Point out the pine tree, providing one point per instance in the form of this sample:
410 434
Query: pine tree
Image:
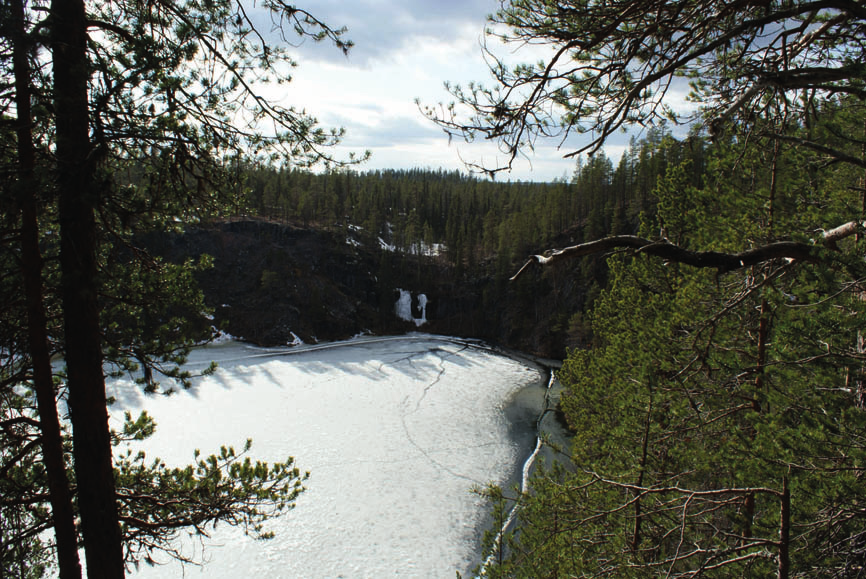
137 90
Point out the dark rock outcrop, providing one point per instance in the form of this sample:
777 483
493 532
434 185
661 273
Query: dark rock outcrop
273 282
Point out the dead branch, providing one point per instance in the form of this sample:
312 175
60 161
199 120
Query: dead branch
723 262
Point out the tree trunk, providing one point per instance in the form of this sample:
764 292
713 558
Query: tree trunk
37 332
784 569
78 198
638 515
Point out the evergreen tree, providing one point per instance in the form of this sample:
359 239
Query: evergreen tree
716 410
150 89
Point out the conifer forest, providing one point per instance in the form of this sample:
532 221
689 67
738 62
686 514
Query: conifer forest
705 289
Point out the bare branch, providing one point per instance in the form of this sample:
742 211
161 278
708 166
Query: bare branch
612 65
723 262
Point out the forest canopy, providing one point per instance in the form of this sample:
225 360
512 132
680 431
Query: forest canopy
716 385
718 410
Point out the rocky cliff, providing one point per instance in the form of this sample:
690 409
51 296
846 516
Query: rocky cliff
273 284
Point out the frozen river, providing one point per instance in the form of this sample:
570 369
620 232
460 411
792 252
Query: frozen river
394 431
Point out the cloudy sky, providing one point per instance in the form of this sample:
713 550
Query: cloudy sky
405 50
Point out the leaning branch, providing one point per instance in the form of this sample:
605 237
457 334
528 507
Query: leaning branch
834 154
723 262
831 236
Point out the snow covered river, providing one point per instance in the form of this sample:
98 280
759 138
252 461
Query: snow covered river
394 431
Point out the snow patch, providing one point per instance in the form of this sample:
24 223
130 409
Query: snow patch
387 246
403 308
432 250
222 337
422 304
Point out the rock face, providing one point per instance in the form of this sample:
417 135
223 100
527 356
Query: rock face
273 283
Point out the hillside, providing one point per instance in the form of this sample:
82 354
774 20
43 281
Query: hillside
274 283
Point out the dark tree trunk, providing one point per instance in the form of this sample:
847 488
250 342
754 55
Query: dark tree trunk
785 532
37 332
78 198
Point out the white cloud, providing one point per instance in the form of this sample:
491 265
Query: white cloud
406 51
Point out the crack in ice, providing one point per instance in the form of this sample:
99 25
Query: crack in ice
439 374
443 355
409 358
432 460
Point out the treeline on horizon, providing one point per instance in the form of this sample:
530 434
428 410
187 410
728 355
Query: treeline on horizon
480 222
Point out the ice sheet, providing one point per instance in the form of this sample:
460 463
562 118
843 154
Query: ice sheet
395 432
